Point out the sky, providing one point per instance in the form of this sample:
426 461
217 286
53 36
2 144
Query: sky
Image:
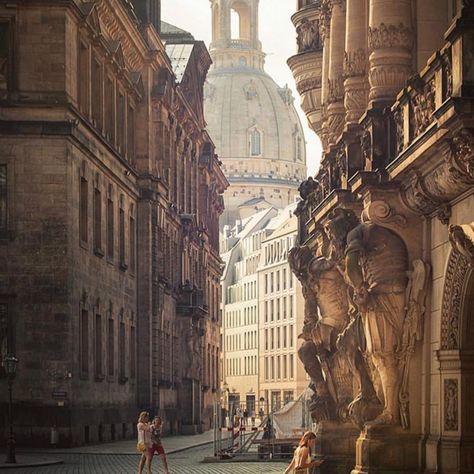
278 38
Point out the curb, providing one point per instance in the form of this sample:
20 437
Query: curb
45 462
88 453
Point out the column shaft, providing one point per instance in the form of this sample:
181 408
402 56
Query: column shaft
335 100
356 84
390 46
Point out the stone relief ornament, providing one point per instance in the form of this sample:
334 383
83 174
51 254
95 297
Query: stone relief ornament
250 90
325 20
355 63
399 130
308 37
335 89
462 240
456 274
451 395
462 148
380 212
327 315
423 108
391 302
390 36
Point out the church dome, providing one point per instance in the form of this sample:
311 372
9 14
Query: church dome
252 121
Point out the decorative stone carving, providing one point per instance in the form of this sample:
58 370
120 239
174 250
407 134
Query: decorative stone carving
462 148
325 20
336 89
331 370
387 79
335 126
380 212
308 36
355 63
390 36
462 240
390 303
456 274
250 90
451 394
423 107
399 130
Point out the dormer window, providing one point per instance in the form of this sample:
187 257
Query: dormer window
255 142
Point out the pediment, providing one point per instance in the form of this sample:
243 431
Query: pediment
91 16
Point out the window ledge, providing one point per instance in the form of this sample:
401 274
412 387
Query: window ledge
99 252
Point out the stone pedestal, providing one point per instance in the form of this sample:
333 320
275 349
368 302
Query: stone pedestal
336 442
386 450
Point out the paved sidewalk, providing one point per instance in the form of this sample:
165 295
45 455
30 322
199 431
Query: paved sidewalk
172 444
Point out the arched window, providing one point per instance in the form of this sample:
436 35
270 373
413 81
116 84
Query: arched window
255 142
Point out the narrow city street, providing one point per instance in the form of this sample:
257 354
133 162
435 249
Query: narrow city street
185 462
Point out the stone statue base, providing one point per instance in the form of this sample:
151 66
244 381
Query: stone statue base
386 450
336 443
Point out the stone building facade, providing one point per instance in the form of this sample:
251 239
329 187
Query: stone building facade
386 230
110 195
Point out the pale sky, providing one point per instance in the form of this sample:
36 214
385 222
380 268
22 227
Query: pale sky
278 38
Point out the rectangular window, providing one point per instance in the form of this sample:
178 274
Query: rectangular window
285 367
278 280
122 354
121 123
122 239
272 338
131 134
278 367
98 346
284 329
291 335
266 339
132 352
278 337
5 335
6 58
109 110
266 368
96 83
278 308
97 220
111 349
284 278
283 303
291 280
291 367
271 282
84 342
272 368
110 229
133 244
3 200
291 306
83 210
83 76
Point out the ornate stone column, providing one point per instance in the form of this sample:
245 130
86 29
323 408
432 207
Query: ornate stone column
391 38
325 24
335 98
356 84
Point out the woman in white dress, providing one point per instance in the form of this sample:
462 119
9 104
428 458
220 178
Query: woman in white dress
301 462
144 442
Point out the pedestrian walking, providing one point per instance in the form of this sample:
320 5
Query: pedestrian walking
156 446
246 417
144 442
301 462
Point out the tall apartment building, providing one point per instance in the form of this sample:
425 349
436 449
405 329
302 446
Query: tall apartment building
262 312
110 195
281 309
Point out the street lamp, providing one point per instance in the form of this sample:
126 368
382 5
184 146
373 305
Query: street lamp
9 364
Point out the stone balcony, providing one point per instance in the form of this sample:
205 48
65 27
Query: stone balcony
191 302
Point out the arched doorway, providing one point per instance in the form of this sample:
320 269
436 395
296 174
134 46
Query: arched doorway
456 358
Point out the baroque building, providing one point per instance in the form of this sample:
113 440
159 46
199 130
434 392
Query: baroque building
251 119
386 237
110 195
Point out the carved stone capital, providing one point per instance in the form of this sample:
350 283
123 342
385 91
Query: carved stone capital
335 89
390 36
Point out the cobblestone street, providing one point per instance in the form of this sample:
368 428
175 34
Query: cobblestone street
185 462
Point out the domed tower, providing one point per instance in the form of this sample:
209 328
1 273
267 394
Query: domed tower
252 120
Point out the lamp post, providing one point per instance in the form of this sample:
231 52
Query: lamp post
9 363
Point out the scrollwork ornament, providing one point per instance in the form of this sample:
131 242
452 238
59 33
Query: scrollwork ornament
381 213
462 151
